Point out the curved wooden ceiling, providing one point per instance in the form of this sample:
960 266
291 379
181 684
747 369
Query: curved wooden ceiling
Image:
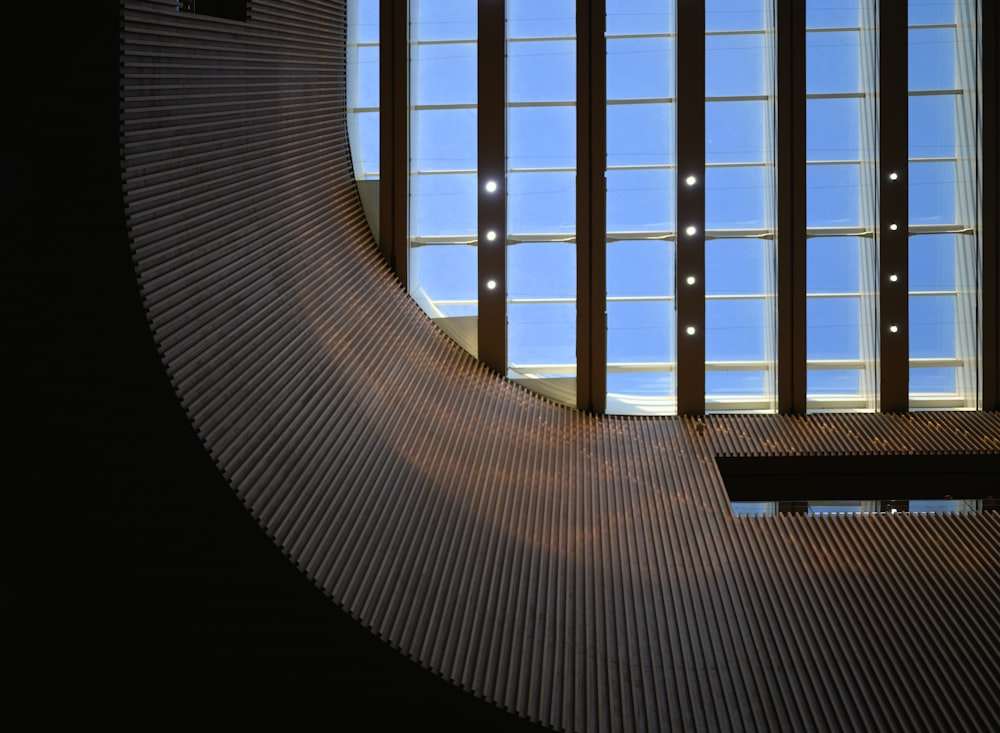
582 571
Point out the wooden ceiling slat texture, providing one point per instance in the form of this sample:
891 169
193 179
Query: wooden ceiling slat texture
585 572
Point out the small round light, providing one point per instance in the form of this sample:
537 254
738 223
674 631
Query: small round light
893 328
691 231
491 235
893 278
491 284
893 227
491 186
690 180
691 280
893 176
690 330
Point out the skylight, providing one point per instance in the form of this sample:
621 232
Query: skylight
534 249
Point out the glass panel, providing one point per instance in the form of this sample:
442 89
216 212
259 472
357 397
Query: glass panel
735 64
640 272
444 153
737 132
640 134
541 197
943 175
363 90
635 69
740 193
754 508
443 74
736 198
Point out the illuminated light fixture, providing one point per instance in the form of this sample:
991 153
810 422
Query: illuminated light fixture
893 277
893 176
690 180
491 235
893 328
691 280
491 284
691 231
491 186
893 227
690 330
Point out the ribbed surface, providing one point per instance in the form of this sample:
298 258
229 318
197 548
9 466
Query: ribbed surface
584 572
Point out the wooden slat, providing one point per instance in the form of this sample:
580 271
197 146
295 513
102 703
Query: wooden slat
582 571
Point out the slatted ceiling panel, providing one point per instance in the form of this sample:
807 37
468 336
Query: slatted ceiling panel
582 571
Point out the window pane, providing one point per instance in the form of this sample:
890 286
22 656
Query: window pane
443 74
735 198
638 68
640 134
833 196
541 203
541 137
833 129
736 132
931 58
444 139
734 64
541 71
932 193
640 200
832 62
932 126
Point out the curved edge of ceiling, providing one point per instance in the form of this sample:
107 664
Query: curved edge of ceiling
581 571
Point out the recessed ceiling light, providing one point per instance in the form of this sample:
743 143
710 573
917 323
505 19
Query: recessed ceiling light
491 284
690 180
491 186
491 235
690 280
690 330
691 231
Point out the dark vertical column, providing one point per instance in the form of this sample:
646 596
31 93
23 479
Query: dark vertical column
791 244
989 30
393 133
591 244
492 200
690 296
893 213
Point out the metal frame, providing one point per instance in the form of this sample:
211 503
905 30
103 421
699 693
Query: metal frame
691 208
394 134
893 212
591 215
791 162
492 167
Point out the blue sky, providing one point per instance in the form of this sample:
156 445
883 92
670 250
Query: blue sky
641 180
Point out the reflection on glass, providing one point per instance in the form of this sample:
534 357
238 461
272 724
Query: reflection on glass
640 201
443 161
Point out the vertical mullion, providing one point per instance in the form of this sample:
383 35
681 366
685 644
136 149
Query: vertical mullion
893 209
690 298
791 162
989 28
591 249
394 134
492 267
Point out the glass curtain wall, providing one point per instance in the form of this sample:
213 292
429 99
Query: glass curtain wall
944 217
541 196
363 100
640 199
841 196
443 164
740 206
